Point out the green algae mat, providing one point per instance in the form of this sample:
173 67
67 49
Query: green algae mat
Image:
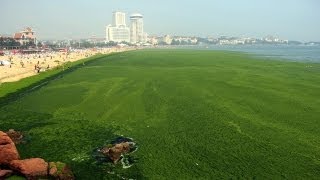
193 114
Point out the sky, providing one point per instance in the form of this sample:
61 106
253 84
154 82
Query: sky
74 19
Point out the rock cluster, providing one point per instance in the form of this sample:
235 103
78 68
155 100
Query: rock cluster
115 152
33 168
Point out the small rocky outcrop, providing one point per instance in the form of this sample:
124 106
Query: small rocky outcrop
119 149
8 150
31 168
34 168
115 152
61 171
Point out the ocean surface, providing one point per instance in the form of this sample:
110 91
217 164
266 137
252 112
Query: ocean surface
284 52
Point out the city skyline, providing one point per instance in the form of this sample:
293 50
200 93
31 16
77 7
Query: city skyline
293 20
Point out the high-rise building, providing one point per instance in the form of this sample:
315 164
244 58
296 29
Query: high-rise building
118 31
119 19
136 29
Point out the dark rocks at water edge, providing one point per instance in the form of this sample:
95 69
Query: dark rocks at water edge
11 166
117 150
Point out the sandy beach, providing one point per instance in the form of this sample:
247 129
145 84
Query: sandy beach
25 65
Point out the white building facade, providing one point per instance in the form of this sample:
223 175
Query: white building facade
119 19
118 34
136 29
118 31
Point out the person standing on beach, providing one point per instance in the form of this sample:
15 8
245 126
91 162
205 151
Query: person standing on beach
22 64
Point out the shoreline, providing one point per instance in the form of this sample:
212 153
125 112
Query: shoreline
11 89
23 66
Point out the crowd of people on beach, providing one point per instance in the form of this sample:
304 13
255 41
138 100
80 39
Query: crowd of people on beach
15 66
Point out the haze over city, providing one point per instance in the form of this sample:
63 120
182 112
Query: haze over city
288 19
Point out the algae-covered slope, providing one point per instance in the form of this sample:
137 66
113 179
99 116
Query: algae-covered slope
193 114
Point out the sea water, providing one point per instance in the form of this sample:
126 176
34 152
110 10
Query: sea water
285 52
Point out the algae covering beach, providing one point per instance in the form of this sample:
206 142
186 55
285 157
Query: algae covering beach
173 114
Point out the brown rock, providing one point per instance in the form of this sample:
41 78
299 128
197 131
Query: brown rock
115 152
61 171
5 173
31 168
8 150
15 136
126 147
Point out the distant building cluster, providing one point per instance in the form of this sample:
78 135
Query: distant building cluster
119 32
223 40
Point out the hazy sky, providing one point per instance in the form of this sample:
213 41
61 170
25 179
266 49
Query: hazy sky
288 19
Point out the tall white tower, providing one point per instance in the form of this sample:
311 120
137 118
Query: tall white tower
136 29
119 19
118 31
